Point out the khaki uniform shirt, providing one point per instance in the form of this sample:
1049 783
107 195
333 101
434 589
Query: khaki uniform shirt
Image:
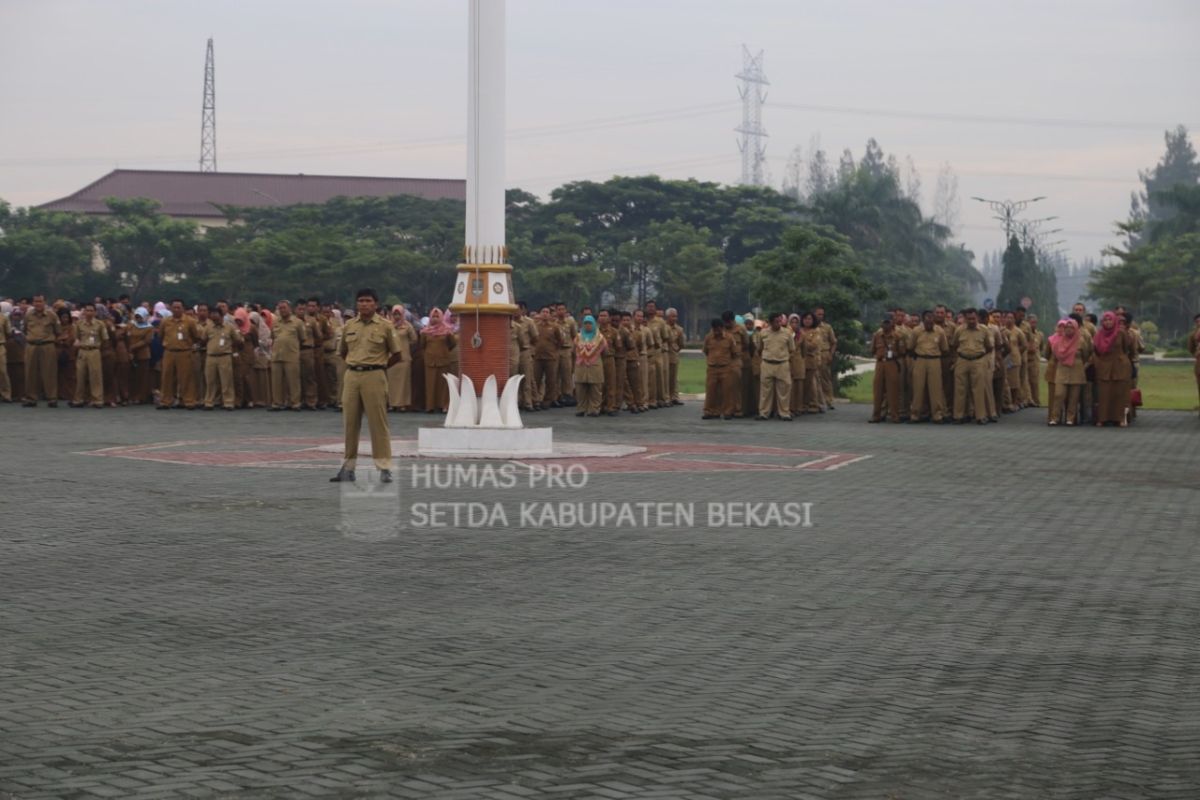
221 339
368 343
972 344
203 326
179 333
90 335
928 343
888 347
316 332
1017 345
828 339
610 334
5 327
42 328
549 340
570 329
139 342
438 351
289 336
675 342
777 346
720 351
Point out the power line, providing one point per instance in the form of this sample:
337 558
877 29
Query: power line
979 119
529 132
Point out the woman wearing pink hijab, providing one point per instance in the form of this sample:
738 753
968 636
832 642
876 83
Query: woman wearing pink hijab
1113 361
1068 356
438 341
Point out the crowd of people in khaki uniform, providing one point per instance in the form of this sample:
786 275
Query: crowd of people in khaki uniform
602 363
781 368
978 365
933 367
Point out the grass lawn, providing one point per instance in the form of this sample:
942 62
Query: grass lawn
1164 386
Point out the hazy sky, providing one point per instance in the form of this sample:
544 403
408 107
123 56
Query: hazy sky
1022 98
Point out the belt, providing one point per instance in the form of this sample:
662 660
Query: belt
918 355
41 341
364 367
218 355
769 361
89 348
307 346
178 349
971 358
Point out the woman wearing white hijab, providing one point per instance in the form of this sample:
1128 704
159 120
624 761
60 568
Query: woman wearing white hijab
262 361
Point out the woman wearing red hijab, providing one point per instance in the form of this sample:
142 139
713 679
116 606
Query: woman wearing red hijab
1112 358
437 343
1068 355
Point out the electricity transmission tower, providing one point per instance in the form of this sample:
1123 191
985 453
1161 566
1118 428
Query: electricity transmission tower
1006 212
753 144
208 116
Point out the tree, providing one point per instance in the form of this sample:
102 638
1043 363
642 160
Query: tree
1178 166
815 265
48 253
793 175
820 175
1156 270
145 248
946 204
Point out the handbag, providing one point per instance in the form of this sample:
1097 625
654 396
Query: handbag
1135 397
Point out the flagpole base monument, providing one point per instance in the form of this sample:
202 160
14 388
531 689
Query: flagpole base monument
484 418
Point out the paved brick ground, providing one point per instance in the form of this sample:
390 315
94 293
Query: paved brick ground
999 612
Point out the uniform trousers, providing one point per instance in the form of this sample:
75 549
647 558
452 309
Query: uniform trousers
89 377
927 385
886 388
177 378
285 384
218 378
971 379
719 391
775 389
41 371
365 393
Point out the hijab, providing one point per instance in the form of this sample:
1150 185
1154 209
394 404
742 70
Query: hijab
584 334
264 333
241 318
1104 336
1065 345
141 318
437 324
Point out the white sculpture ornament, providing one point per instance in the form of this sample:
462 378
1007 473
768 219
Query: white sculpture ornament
486 411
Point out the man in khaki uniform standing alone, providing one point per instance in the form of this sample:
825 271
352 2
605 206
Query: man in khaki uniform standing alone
90 336
221 338
179 335
776 344
368 344
291 335
42 328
